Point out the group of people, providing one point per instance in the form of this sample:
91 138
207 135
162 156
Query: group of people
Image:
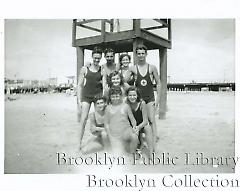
123 96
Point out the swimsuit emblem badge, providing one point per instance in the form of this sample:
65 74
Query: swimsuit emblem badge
143 82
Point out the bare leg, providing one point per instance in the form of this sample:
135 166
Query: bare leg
133 143
78 112
93 145
149 138
152 122
130 140
105 140
83 120
116 146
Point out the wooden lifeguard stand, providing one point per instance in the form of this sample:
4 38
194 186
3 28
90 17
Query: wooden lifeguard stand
126 41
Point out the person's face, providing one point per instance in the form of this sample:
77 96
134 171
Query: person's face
125 61
132 96
100 105
116 80
96 58
141 55
109 57
115 98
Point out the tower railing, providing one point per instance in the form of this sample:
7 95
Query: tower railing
106 36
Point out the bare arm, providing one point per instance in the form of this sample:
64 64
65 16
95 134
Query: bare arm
144 115
118 66
128 74
158 83
87 64
106 91
93 125
80 83
106 121
131 117
104 79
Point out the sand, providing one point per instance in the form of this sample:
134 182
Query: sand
41 125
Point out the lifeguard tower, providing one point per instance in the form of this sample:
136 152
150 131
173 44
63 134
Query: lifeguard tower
108 33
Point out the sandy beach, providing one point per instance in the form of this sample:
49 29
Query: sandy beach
41 125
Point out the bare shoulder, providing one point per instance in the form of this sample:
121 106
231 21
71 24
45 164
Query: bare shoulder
133 69
126 106
152 68
103 69
87 64
143 104
83 70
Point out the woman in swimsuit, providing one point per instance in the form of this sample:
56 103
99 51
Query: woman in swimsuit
123 67
123 138
139 110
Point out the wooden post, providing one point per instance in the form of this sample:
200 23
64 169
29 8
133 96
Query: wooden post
74 32
163 79
103 29
170 31
80 63
137 41
80 60
112 25
137 27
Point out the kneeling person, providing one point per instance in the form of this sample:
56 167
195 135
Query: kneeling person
99 140
139 110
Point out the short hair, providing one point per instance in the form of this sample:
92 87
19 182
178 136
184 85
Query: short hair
100 97
107 50
115 90
115 73
97 50
133 88
122 56
141 47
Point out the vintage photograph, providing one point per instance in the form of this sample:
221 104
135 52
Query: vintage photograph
130 95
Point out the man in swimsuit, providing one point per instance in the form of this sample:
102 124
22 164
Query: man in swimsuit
145 74
110 65
89 86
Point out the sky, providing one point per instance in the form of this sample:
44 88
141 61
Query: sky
203 50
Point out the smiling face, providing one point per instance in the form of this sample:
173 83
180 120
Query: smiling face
116 99
132 96
109 57
96 58
116 80
100 105
125 61
141 55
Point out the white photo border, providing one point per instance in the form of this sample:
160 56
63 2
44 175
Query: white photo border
176 9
